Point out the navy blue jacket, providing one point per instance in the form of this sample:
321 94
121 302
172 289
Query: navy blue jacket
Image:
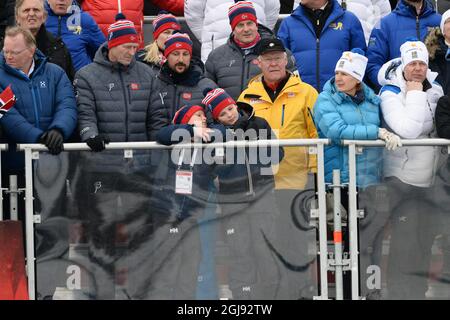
46 101
188 205
394 29
316 58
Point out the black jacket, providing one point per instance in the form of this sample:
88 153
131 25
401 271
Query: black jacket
243 181
443 117
6 16
437 50
55 50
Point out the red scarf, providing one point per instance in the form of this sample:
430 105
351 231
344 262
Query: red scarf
245 46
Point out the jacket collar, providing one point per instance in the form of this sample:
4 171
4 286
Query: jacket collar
189 78
256 87
339 97
301 14
405 9
51 13
391 74
101 57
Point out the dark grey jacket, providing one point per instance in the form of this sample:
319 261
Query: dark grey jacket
231 69
115 101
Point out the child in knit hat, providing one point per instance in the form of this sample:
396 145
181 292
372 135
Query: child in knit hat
188 188
246 199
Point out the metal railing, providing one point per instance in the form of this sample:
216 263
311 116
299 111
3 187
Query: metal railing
315 146
355 147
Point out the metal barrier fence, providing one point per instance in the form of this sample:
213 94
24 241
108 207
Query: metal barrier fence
35 219
376 213
404 277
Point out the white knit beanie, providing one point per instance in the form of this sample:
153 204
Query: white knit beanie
413 50
445 16
353 62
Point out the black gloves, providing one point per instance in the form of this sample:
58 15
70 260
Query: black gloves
53 140
241 123
97 143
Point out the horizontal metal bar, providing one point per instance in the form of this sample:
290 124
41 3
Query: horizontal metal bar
155 145
3 147
405 142
149 19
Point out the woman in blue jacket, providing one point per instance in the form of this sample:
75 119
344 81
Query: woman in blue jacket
349 109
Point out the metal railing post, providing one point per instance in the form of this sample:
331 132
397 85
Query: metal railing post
29 224
337 234
13 195
353 221
323 245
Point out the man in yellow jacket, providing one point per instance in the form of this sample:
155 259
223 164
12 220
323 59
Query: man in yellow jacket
285 102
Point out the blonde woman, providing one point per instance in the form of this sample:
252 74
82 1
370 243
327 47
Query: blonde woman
163 26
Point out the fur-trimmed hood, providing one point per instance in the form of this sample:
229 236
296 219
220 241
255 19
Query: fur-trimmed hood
435 43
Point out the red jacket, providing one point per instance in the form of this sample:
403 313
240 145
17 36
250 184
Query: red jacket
104 13
174 6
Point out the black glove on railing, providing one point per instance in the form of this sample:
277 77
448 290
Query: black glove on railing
241 123
53 140
97 143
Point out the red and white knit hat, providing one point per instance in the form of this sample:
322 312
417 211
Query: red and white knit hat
122 31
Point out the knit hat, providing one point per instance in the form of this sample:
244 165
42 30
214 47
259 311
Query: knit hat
177 41
216 100
353 63
185 113
122 31
241 11
444 18
413 50
164 21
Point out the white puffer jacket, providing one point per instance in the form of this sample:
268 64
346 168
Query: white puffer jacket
208 20
410 115
369 12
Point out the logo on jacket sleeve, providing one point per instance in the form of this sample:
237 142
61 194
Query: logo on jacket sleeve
186 95
134 86
43 84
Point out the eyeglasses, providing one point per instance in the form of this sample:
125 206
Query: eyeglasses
276 60
13 53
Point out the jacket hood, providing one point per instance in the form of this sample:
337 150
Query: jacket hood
405 9
190 78
339 97
391 73
435 43
245 108
101 57
336 11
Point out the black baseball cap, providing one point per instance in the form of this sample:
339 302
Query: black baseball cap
269 45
